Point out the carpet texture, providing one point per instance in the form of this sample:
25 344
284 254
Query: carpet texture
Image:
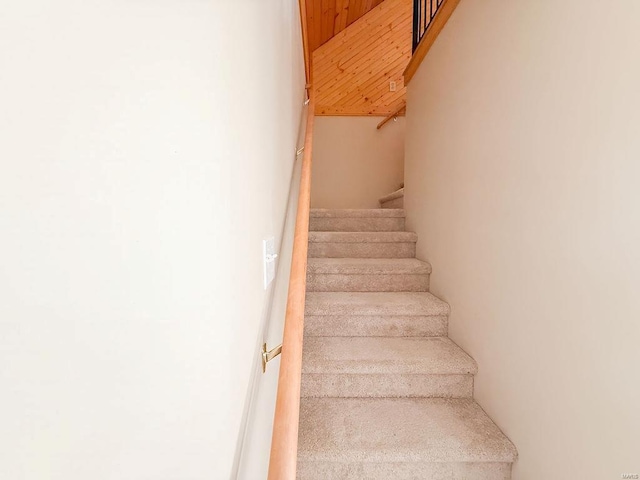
385 393
372 220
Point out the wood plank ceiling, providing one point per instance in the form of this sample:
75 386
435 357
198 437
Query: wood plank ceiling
353 73
327 18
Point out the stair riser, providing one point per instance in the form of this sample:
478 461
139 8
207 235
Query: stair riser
403 471
362 250
386 385
375 326
327 224
323 282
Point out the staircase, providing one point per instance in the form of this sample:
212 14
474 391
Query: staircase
386 394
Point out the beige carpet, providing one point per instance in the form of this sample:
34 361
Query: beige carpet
386 395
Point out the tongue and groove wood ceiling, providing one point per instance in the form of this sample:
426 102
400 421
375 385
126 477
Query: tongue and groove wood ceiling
359 71
327 18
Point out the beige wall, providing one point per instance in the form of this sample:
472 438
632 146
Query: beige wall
354 164
522 176
253 461
141 165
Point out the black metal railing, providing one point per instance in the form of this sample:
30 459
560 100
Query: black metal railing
424 11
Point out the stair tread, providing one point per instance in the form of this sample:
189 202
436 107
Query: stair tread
362 237
374 303
359 266
356 212
399 430
386 355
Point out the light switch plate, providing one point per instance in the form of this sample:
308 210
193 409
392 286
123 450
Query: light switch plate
269 259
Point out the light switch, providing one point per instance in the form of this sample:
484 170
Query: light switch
269 257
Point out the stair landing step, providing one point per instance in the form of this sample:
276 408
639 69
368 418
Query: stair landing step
386 355
360 266
375 326
386 367
404 471
367 275
385 430
368 220
376 244
374 303
363 237
356 213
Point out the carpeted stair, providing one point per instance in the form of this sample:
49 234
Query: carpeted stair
385 393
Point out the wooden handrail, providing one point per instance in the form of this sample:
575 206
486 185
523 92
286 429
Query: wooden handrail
284 441
388 118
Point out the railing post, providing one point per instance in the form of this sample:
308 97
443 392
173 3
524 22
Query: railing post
424 13
416 24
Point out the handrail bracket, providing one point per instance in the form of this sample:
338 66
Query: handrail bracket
268 355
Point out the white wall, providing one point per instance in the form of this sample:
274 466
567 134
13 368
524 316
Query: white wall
522 182
253 461
146 150
354 164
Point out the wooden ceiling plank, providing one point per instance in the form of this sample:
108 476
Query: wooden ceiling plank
326 25
317 23
342 12
354 48
348 57
362 30
331 19
364 107
376 94
389 71
325 76
327 18
380 104
332 73
379 95
358 77
345 91
364 88
369 109
355 11
352 71
312 22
